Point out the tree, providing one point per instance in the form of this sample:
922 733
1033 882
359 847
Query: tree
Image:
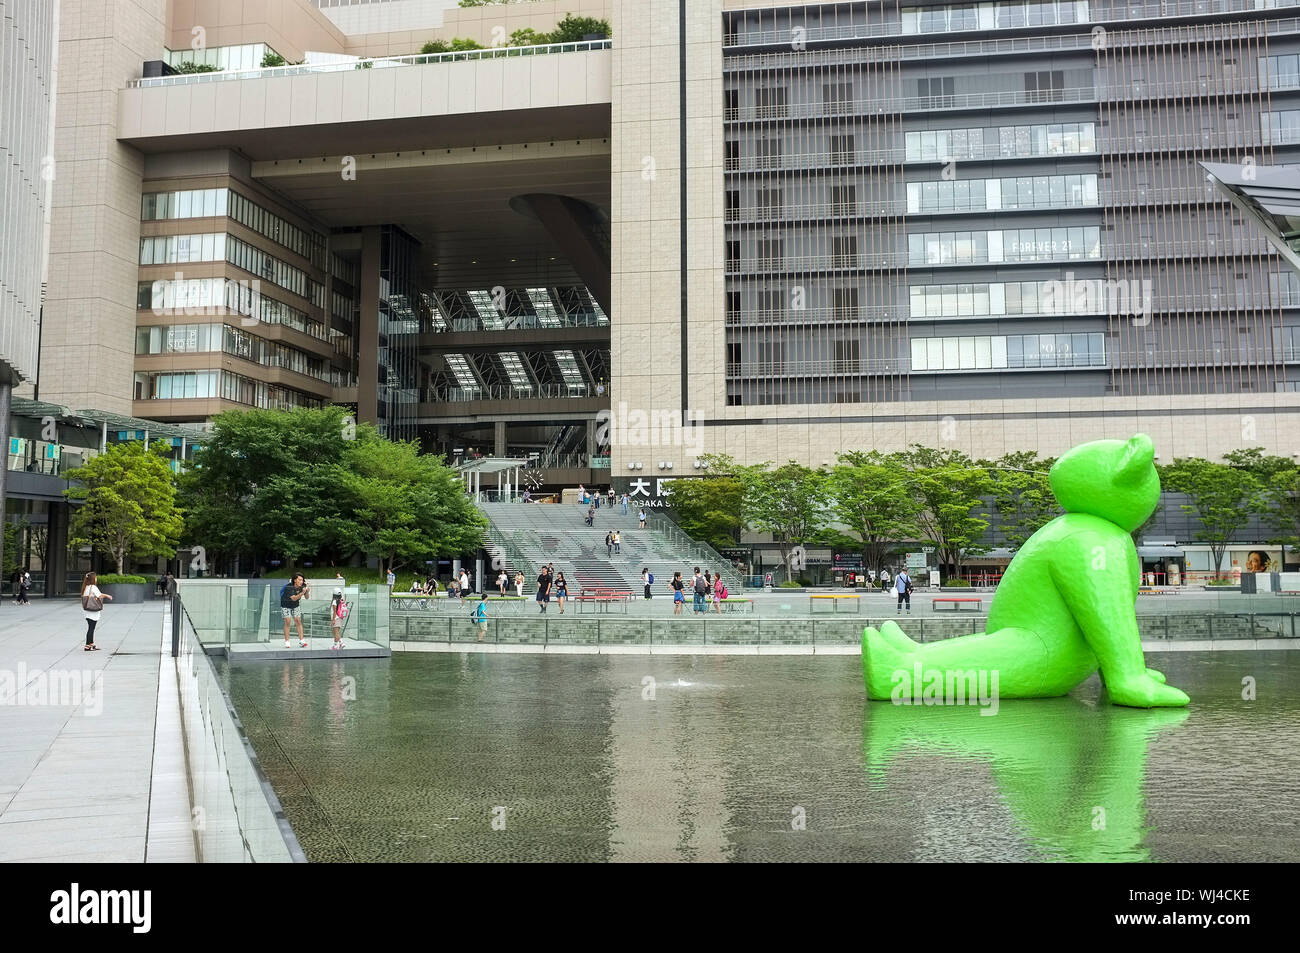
1022 495
951 489
238 493
572 29
402 505
709 508
128 506
870 496
527 36
789 502
1223 497
1279 479
270 59
435 46
460 44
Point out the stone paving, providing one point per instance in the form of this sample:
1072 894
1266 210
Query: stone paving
77 735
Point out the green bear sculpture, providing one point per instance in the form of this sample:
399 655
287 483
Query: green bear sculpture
1064 607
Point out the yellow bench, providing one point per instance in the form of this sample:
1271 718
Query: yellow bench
835 599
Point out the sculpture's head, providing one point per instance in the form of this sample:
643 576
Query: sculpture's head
1113 479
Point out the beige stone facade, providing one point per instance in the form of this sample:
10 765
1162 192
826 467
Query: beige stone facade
87 345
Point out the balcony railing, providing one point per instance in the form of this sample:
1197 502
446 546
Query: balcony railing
520 322
453 395
378 62
1098 14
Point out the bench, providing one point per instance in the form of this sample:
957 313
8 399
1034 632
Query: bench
957 602
737 604
600 600
836 599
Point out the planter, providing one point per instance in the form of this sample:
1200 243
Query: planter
128 593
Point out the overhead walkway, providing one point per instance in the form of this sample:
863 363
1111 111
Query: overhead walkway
530 535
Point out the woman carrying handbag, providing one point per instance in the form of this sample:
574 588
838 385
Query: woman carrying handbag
92 603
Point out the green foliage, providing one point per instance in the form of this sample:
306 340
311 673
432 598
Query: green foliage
950 489
527 36
956 584
572 29
1223 498
121 579
1022 495
1220 582
791 584
1279 479
128 506
435 46
869 494
292 483
271 58
790 502
710 509
460 44
192 67
13 538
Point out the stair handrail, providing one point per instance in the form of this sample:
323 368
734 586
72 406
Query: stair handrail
706 554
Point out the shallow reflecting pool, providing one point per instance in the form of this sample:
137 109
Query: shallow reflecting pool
440 757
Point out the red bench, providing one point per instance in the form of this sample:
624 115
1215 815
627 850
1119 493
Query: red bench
957 602
602 599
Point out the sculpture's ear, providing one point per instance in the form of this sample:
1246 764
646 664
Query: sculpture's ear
1135 462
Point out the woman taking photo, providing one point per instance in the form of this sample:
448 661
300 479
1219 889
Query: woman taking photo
92 604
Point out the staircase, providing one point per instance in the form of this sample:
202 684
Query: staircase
533 534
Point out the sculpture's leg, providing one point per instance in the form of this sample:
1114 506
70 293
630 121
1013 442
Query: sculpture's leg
1104 613
1010 663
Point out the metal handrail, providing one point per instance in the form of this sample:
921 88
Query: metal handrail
708 557
414 59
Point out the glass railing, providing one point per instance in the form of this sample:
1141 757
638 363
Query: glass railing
518 322
378 62
507 625
707 557
243 615
238 818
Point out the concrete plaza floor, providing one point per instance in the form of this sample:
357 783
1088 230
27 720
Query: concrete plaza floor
86 774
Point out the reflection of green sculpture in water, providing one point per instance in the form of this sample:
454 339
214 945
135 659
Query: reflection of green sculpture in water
1071 774
1064 608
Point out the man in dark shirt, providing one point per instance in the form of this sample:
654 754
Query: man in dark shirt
544 588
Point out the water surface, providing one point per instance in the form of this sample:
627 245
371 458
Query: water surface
443 757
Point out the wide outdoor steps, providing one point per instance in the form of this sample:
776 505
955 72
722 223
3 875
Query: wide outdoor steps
557 533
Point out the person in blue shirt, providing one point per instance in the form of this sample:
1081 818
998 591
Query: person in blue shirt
903 586
479 615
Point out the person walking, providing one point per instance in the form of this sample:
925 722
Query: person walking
647 580
582 493
595 500
25 586
609 543
338 618
543 589
641 517
611 497
502 581
479 617
561 591
92 607
679 595
618 540
625 502
719 592
591 516
392 580
884 580
903 586
519 583
291 595
464 584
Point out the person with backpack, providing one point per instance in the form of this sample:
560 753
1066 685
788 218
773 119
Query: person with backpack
701 587
903 586
92 606
291 595
338 618
479 618
719 593
647 579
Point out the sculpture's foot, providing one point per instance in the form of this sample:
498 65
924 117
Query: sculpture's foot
1158 676
1144 691
885 652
